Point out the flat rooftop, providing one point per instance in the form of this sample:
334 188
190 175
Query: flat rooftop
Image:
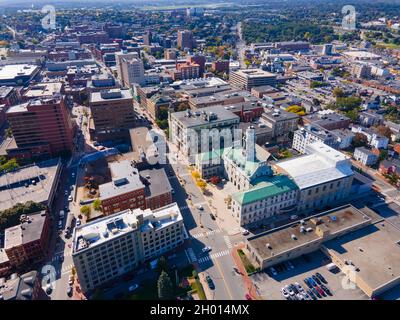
194 119
26 232
110 95
44 89
125 178
321 165
254 73
280 239
102 230
375 250
11 71
30 183
156 182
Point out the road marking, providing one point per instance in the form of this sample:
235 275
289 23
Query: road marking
228 242
184 208
192 255
214 256
206 234
67 269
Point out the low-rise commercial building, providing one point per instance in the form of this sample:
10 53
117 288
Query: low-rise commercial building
24 287
112 246
363 246
37 182
281 122
324 176
26 244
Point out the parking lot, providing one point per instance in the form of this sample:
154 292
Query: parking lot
269 286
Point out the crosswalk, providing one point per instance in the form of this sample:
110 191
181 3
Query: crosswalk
228 242
206 234
67 268
184 208
214 256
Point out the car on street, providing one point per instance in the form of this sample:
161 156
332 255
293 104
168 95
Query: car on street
210 283
320 277
49 289
212 216
60 225
133 287
248 297
69 291
78 222
298 287
71 280
70 198
200 207
245 232
61 214
206 249
66 192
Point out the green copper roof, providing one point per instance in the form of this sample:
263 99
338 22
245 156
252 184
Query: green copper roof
265 187
211 155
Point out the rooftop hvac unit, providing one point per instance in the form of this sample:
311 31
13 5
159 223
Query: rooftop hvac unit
293 237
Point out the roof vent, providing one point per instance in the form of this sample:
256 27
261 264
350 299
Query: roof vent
293 237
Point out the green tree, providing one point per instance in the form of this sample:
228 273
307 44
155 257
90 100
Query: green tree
8 165
384 131
10 217
97 204
338 93
85 210
162 265
360 140
164 286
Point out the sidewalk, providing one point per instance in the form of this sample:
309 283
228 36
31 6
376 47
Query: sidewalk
251 290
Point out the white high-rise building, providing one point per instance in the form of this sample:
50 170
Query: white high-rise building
130 69
114 245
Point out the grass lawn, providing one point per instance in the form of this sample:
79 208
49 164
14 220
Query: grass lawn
197 286
149 291
246 262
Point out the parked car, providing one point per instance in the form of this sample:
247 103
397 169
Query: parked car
315 291
69 291
206 249
311 294
316 279
245 232
290 290
133 287
200 207
285 293
320 277
61 214
307 282
298 287
320 291
71 280
210 283
70 198
78 222
60 224
212 216
326 289
313 283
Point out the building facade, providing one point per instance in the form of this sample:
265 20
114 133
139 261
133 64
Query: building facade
109 247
